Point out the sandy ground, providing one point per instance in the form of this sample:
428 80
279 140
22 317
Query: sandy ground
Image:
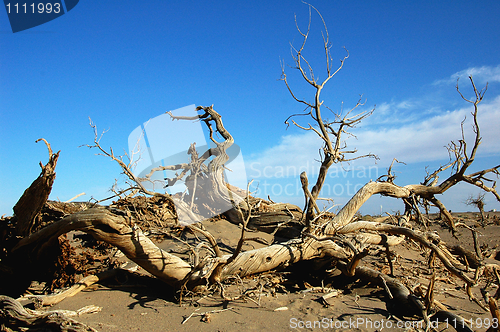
281 301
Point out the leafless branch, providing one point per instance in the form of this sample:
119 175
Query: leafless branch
332 151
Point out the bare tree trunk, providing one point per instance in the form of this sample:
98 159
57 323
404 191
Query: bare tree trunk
117 230
107 226
28 208
281 255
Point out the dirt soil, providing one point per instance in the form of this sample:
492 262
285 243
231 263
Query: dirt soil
288 300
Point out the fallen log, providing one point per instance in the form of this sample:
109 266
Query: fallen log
117 230
14 317
51 299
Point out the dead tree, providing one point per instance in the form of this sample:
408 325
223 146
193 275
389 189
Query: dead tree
460 160
207 184
332 132
478 202
334 238
203 175
334 148
28 208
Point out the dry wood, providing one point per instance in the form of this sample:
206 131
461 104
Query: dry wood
427 239
281 255
31 202
117 230
49 300
495 312
15 317
207 183
326 236
398 292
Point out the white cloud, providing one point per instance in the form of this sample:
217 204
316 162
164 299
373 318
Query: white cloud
415 130
417 141
394 113
425 140
293 151
481 75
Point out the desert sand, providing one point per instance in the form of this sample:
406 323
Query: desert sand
290 299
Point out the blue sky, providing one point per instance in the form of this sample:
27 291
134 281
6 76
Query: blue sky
124 62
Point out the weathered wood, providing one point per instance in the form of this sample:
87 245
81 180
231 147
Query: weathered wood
347 213
399 295
426 239
31 202
277 216
51 299
281 255
207 184
116 230
14 317
104 225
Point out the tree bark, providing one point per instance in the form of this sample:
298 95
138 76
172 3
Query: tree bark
104 225
28 208
116 230
14 317
281 255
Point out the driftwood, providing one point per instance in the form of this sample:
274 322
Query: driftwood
49 300
14 317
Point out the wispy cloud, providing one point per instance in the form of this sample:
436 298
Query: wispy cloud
425 140
407 130
481 75
395 113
